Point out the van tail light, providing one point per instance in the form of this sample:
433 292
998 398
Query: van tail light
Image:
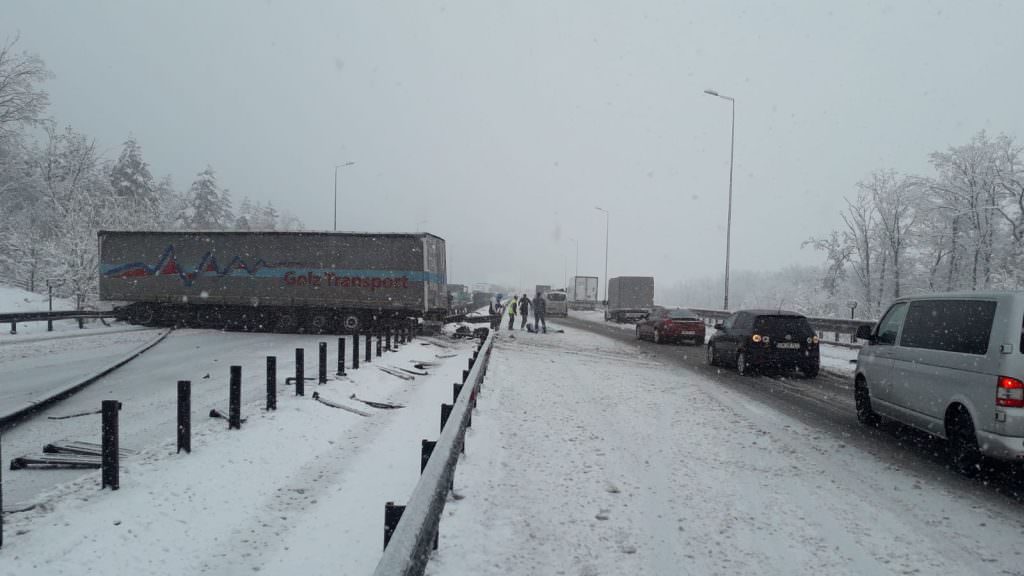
1010 392
756 337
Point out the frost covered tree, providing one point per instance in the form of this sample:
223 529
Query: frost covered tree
23 102
207 210
133 185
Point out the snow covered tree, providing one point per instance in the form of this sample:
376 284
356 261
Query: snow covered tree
133 185
22 102
206 203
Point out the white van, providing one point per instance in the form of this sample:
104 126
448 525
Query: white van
951 365
557 303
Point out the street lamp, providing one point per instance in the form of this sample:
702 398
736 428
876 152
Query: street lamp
606 215
336 191
728 225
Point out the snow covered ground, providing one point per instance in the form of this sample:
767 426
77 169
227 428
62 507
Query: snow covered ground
296 491
589 458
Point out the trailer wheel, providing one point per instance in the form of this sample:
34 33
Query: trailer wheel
285 323
321 323
351 322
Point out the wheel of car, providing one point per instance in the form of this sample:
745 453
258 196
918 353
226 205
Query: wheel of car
351 322
741 364
810 369
862 398
964 453
657 336
711 355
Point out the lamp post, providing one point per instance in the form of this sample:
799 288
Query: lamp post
728 225
606 216
336 191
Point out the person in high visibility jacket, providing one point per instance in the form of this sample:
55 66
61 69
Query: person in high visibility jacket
513 306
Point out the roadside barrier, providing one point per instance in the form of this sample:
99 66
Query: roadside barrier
411 531
111 472
185 416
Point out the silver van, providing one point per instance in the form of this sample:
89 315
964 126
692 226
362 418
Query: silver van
557 303
951 365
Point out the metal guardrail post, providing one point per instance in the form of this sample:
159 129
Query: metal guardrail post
355 350
185 416
235 399
300 375
341 357
387 339
380 344
110 449
322 375
271 382
369 343
392 515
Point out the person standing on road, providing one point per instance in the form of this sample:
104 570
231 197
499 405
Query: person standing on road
512 306
540 307
524 311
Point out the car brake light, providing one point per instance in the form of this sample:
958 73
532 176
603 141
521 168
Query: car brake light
756 337
1010 392
812 339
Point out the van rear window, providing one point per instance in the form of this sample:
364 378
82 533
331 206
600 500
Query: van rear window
555 297
949 325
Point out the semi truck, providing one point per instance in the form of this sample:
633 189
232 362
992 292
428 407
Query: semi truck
583 292
325 282
629 298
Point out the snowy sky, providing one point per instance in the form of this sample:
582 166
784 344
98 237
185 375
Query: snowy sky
500 125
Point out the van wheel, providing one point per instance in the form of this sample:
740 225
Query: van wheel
741 364
862 398
962 443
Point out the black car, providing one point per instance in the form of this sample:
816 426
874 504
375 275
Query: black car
765 339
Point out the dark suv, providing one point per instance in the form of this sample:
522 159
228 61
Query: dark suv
754 339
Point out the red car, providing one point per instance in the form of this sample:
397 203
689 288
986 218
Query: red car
671 325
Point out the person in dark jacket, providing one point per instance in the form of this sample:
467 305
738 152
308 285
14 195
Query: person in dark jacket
540 308
524 311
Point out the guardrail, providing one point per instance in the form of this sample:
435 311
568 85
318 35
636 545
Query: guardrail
408 549
49 316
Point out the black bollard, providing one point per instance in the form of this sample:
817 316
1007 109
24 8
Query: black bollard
300 373
355 350
387 339
426 449
456 390
341 357
465 376
235 399
369 351
380 344
471 362
271 382
446 411
184 416
392 514
109 450
322 378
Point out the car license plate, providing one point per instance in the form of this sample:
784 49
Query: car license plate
687 332
788 345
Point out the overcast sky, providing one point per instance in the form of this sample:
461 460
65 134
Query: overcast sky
501 125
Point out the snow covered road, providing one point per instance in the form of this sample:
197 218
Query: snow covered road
589 455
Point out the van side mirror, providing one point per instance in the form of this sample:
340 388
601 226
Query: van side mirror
865 332
719 326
